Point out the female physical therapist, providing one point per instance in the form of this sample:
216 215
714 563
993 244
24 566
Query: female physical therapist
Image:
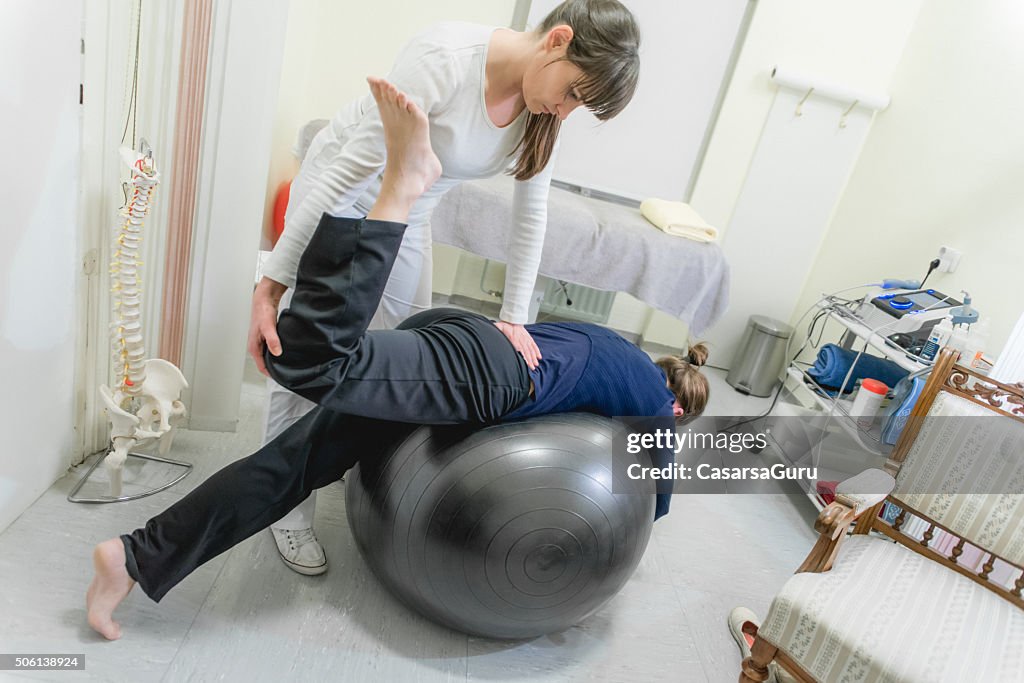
495 98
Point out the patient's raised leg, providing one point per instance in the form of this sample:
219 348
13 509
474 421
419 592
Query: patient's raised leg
345 267
252 493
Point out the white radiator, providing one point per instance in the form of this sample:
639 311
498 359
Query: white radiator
588 305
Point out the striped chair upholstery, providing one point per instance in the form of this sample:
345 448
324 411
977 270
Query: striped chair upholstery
885 613
965 446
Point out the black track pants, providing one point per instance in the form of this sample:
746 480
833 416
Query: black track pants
441 366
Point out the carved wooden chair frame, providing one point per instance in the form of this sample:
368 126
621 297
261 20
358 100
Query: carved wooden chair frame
834 521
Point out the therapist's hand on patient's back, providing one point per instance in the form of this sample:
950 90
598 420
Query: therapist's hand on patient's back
263 323
521 341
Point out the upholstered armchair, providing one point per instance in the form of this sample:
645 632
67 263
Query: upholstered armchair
935 593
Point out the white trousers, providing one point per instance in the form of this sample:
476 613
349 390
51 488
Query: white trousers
408 291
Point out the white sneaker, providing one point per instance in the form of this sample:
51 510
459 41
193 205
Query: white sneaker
300 550
740 617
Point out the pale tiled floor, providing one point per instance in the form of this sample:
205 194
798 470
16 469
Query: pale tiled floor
245 617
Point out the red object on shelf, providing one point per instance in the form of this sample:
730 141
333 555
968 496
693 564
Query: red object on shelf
280 206
827 490
874 386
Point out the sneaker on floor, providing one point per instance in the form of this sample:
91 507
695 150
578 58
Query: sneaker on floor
743 625
300 550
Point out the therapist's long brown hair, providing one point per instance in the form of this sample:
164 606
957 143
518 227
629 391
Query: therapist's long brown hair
605 46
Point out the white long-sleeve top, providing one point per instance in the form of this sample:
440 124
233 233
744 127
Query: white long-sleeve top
443 71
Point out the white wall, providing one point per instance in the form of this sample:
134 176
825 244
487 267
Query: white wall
855 43
942 166
39 123
858 44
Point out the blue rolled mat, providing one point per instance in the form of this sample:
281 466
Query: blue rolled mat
832 364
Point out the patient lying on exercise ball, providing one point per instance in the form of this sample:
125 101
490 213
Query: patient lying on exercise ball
442 366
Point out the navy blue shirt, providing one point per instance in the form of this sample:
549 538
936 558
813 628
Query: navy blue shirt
588 368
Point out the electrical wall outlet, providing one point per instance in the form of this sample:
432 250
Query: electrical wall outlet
949 259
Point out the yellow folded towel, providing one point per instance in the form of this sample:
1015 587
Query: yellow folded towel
677 218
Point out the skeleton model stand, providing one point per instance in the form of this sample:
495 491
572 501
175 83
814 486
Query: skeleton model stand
146 402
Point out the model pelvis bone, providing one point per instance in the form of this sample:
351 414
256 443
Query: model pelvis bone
161 391
160 408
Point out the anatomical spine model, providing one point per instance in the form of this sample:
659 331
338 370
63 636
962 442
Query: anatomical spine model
146 400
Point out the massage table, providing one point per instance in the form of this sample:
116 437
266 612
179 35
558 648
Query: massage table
595 243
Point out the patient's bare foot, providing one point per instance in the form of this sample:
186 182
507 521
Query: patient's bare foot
108 588
412 167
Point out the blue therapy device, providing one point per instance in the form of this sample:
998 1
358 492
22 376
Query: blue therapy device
927 302
906 312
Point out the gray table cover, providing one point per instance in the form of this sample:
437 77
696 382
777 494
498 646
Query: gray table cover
594 243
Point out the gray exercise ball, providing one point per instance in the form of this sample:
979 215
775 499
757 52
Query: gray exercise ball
506 531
